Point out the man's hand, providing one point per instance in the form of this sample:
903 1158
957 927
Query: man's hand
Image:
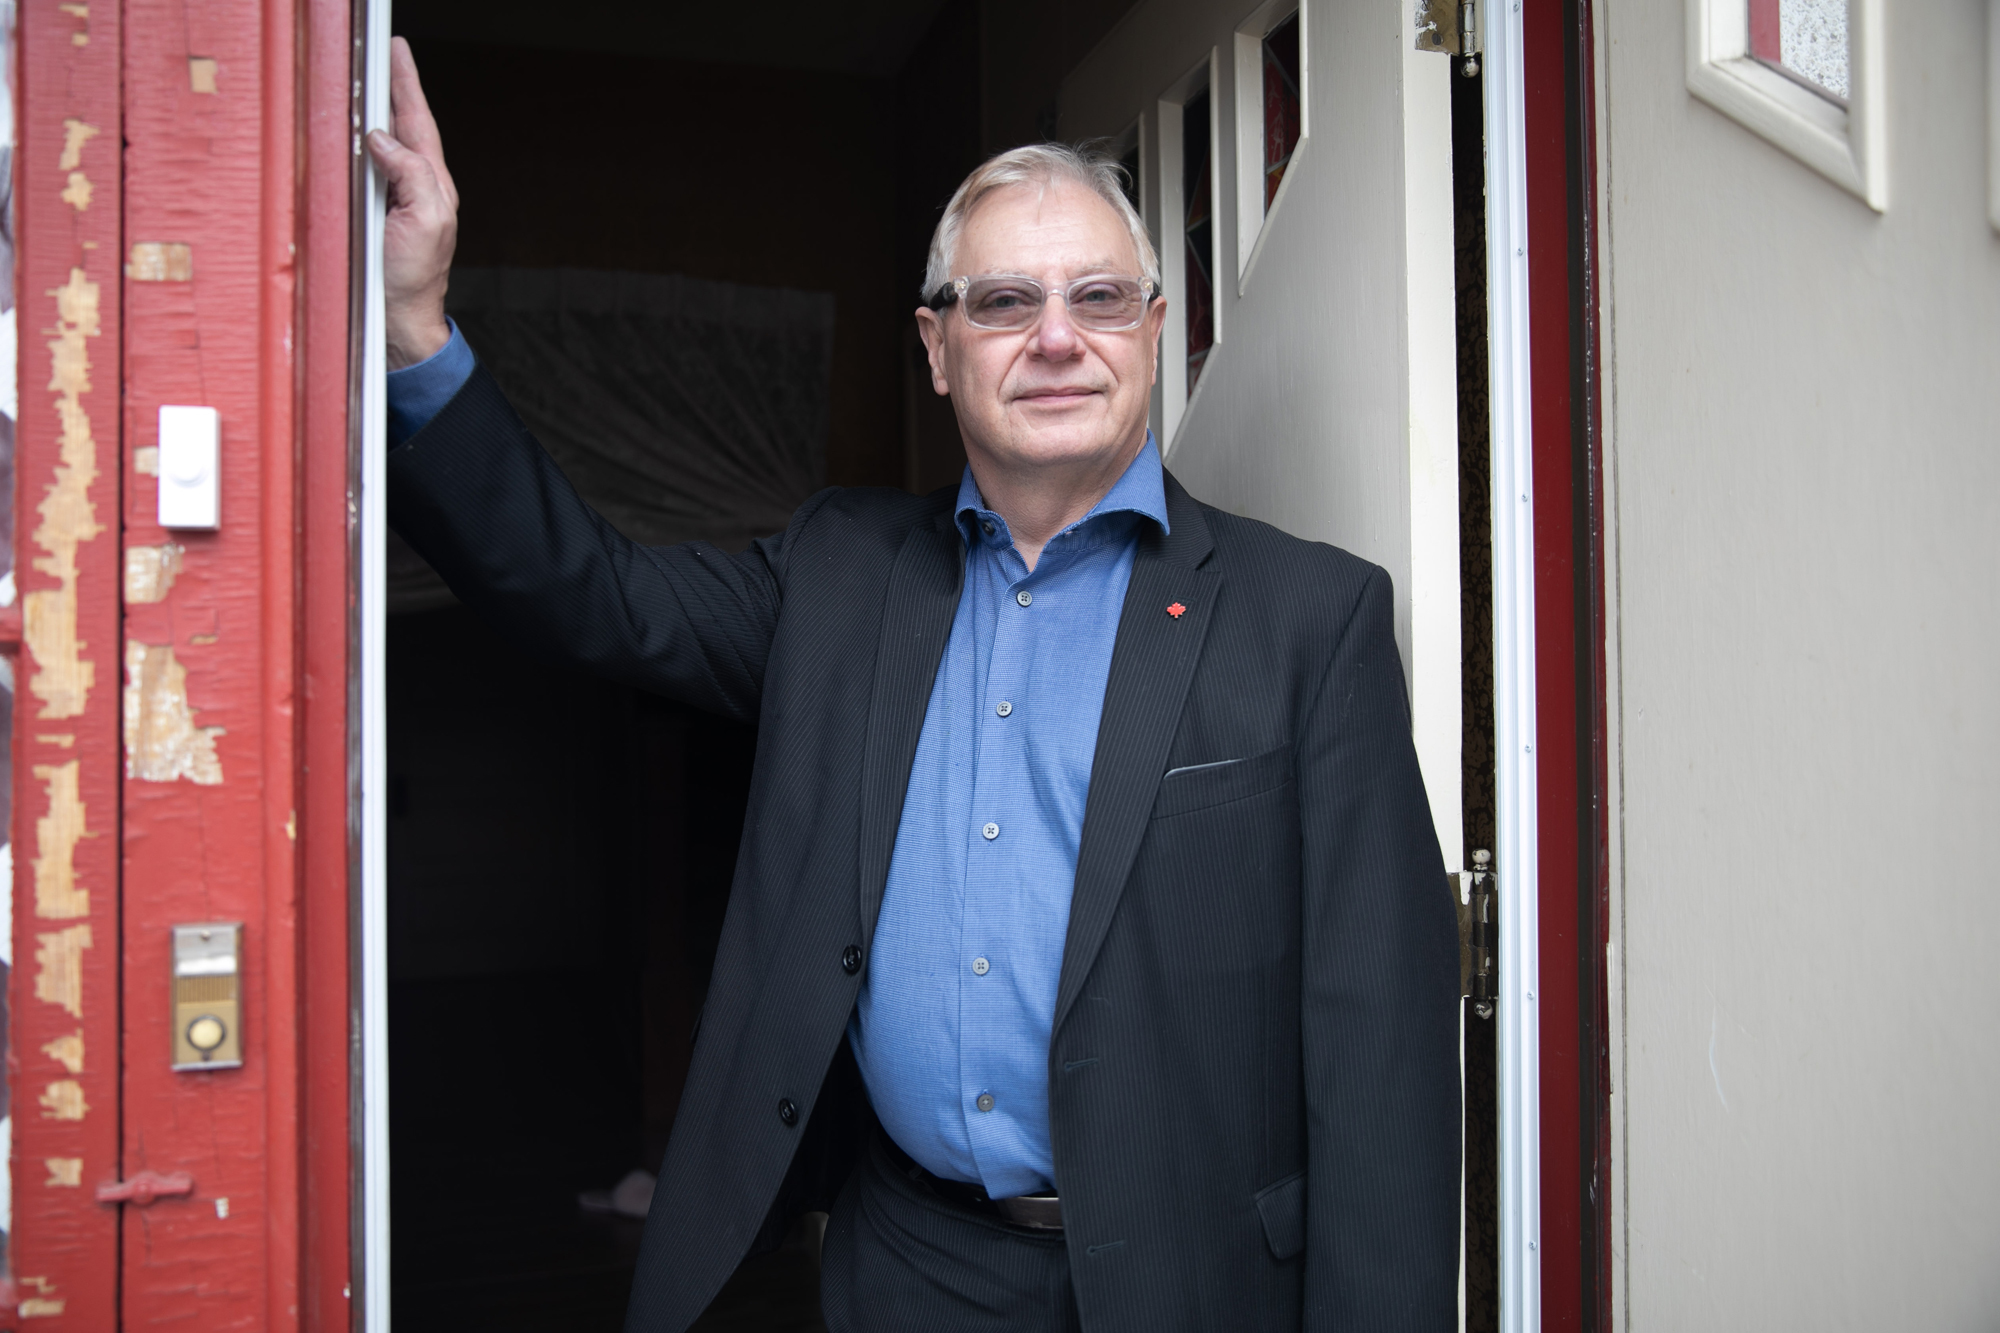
422 228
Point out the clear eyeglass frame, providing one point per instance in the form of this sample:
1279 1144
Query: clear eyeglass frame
961 291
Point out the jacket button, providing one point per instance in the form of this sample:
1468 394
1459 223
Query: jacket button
850 959
788 1112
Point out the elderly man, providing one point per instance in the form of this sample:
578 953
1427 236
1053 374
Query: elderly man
1088 955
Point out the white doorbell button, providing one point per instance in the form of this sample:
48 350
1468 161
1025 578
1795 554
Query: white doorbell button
190 464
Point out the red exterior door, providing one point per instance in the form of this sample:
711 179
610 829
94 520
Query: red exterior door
180 722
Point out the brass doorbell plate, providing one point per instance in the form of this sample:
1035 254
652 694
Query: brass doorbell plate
207 1003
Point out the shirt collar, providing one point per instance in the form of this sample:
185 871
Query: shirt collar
1140 490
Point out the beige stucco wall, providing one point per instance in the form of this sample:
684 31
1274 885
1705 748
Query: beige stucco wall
1803 433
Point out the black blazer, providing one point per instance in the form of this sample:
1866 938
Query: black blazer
1253 1078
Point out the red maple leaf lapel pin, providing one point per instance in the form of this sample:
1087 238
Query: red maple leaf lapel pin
1176 610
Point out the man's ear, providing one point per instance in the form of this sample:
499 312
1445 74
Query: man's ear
931 329
1156 324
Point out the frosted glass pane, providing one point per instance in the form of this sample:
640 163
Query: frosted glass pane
1814 36
1807 39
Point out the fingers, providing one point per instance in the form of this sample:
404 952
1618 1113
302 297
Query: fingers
412 182
420 232
410 115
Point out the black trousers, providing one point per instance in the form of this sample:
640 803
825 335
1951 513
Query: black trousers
899 1259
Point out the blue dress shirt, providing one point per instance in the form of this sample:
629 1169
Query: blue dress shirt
419 392
952 1031
953 1025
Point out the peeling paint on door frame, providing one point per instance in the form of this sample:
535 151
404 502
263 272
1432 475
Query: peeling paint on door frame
162 743
63 676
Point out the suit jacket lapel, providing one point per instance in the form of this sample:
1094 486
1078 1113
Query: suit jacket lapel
1152 665
924 587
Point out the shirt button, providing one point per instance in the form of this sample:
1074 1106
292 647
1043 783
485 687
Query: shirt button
1024 597
1004 709
990 832
984 1102
987 528
788 1112
850 959
980 967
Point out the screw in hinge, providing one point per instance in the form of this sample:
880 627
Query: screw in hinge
1484 884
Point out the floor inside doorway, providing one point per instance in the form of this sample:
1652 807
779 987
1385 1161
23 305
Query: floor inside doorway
487 1231
560 855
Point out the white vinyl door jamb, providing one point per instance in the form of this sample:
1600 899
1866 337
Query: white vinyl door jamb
1513 669
372 1132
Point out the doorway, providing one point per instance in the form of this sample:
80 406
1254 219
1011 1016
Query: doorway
560 849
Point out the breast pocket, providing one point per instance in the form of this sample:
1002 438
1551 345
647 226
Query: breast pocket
1200 786
1214 888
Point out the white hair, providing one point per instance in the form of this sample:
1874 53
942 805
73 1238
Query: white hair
1038 164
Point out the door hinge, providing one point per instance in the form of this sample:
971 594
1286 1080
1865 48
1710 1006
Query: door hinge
1451 26
1481 933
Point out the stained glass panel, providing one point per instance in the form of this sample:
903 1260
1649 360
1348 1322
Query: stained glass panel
1281 103
1199 229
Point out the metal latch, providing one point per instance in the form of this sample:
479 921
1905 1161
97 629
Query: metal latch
145 1187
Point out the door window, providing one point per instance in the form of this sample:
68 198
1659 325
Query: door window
1281 103
1271 111
1198 230
1804 74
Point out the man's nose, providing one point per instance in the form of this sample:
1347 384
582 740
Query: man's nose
1054 335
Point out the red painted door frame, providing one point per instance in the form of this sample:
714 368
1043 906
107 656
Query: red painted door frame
1570 704
183 181
63 994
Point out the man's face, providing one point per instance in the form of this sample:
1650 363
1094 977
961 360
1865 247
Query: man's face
1052 393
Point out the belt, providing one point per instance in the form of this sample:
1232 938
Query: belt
1037 1212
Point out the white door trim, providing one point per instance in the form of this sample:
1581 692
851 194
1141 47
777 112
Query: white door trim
372 1131
1513 669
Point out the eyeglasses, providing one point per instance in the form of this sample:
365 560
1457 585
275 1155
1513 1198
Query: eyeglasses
1008 303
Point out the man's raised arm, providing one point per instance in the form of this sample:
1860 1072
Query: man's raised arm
478 498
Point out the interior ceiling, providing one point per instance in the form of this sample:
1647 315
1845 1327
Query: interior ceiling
871 37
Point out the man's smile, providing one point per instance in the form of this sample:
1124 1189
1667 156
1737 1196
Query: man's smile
1056 396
